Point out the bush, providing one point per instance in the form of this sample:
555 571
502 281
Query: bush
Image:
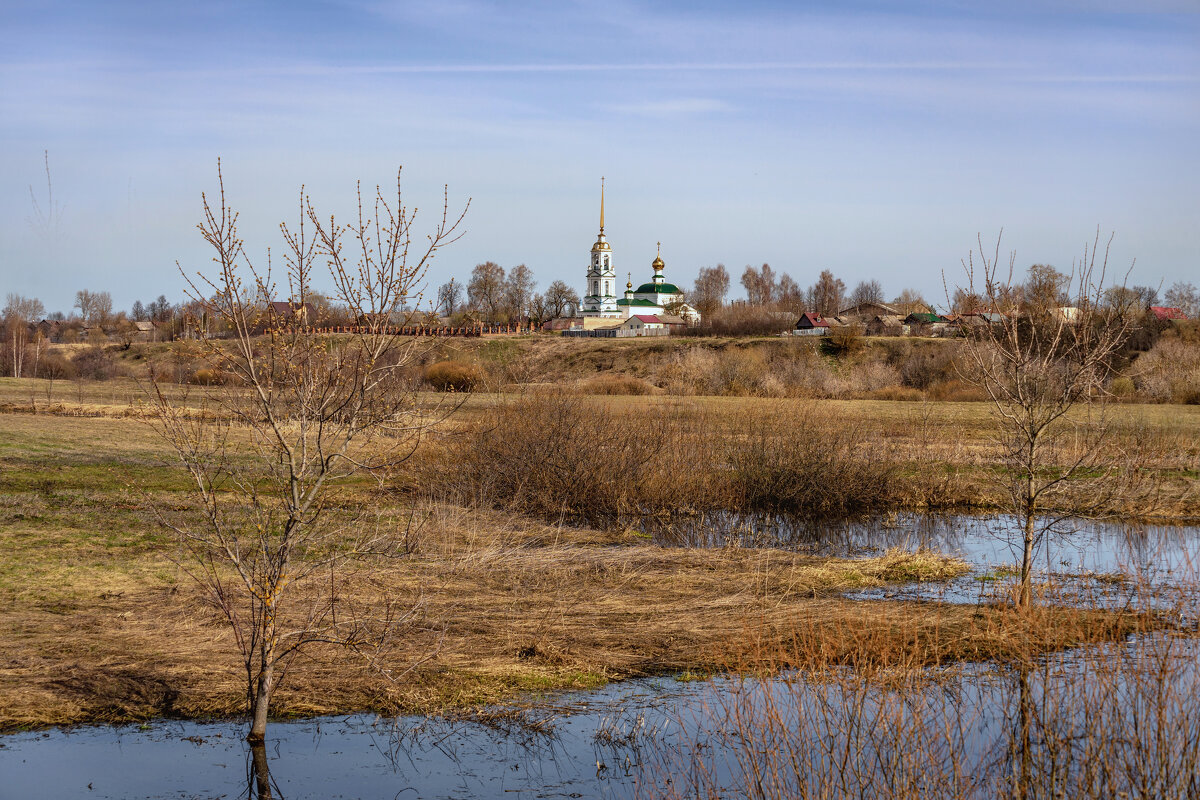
559 456
208 376
926 366
846 340
1170 373
809 465
453 376
1122 386
93 363
616 384
55 366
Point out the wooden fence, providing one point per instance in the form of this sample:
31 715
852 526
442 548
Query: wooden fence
427 330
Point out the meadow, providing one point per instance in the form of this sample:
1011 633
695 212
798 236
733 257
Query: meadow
515 586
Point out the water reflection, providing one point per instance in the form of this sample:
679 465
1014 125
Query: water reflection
1112 721
1106 563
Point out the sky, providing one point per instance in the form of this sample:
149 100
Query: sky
873 139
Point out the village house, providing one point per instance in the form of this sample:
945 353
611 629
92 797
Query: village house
289 312
867 312
644 324
811 324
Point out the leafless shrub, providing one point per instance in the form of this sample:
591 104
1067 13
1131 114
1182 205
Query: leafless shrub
95 363
798 463
304 417
1036 363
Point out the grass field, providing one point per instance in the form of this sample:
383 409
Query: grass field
102 625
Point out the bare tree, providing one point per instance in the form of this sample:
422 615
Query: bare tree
1185 297
449 297
486 291
759 285
1036 366
94 307
518 290
910 301
560 298
827 293
867 292
19 313
790 295
966 301
274 457
712 285
1045 288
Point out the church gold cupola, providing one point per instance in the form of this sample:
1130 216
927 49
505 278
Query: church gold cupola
658 265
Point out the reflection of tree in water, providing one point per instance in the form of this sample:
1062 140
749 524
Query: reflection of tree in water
1100 722
259 784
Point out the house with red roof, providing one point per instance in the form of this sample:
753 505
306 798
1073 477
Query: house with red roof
811 324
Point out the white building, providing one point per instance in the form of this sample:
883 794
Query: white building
600 299
655 296
650 298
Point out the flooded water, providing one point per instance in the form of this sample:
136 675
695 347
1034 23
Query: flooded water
956 732
1098 562
965 730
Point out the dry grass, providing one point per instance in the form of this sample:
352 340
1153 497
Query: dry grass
501 613
100 625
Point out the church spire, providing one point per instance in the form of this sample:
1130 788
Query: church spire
601 204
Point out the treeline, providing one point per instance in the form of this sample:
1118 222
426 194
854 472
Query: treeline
494 294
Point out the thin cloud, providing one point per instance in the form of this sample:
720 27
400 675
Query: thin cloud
678 107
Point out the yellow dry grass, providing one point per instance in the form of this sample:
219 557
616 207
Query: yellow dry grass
100 625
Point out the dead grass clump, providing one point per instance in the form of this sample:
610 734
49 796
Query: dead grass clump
897 393
799 463
955 391
453 376
563 456
208 376
616 385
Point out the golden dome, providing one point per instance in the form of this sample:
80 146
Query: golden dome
657 263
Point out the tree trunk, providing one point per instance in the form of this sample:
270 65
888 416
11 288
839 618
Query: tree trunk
262 701
1025 598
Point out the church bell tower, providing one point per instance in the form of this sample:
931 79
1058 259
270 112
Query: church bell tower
600 298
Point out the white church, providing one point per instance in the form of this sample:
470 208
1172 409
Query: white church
649 299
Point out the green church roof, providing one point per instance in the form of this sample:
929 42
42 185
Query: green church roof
661 288
636 302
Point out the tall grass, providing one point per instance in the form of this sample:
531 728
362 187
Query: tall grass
570 457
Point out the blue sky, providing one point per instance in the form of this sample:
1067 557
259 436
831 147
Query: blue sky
874 139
